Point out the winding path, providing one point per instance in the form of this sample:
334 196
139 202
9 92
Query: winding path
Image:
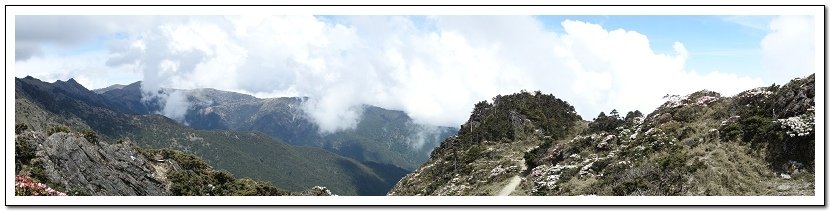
514 182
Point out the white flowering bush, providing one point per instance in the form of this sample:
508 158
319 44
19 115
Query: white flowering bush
705 100
701 98
321 191
25 186
500 170
762 91
673 101
801 125
545 177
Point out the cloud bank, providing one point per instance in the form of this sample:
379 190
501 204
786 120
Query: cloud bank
788 50
433 68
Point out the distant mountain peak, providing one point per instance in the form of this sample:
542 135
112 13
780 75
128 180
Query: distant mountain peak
71 83
117 86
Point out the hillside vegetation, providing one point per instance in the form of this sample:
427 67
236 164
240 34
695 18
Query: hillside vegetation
759 142
488 148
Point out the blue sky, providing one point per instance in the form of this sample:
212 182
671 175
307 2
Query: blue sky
713 42
434 68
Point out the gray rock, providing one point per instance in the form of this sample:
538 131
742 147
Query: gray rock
783 187
95 168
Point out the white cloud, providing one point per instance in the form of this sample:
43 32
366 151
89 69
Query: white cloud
175 106
86 68
433 68
619 70
788 51
751 21
34 32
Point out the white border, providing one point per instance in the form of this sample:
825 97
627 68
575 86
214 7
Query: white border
817 12
415 10
416 200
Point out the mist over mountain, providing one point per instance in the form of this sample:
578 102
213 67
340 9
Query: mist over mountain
380 135
42 106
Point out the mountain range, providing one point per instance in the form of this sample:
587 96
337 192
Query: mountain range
758 142
234 143
381 135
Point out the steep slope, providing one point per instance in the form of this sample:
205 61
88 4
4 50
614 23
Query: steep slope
40 105
489 147
759 142
381 136
78 164
70 163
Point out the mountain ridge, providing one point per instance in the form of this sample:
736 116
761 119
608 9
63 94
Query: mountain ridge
758 142
404 143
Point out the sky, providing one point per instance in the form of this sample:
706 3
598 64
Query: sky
434 68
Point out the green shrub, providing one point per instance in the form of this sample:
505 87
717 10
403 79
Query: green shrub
532 157
57 129
24 152
688 113
37 172
671 128
197 178
19 128
90 135
758 129
599 165
219 183
606 123
628 187
188 183
730 132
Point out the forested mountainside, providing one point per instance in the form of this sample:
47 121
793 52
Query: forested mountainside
42 106
758 142
381 136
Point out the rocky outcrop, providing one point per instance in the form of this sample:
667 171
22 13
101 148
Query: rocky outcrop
81 167
486 157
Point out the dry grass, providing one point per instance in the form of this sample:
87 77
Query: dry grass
730 168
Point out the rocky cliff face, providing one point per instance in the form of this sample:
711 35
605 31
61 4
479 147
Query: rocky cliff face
82 167
67 163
